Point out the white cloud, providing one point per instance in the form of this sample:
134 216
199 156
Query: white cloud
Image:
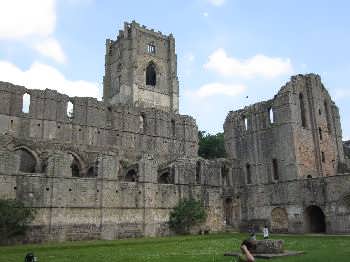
31 21
258 65
217 2
19 19
212 89
41 76
205 14
51 48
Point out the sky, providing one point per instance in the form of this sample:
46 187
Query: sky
231 53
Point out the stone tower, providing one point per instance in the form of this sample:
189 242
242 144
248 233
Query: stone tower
141 69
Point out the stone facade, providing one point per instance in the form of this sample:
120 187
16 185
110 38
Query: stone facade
291 171
116 168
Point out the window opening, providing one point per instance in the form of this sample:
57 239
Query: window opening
70 109
328 119
271 116
151 48
323 156
173 128
245 121
26 103
249 174
151 76
302 110
275 169
198 172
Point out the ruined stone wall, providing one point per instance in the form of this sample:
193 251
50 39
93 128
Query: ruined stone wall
293 198
127 59
296 134
109 205
128 131
287 154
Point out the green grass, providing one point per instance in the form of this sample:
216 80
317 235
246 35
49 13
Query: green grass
187 248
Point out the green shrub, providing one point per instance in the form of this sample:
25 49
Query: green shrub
14 218
185 215
211 146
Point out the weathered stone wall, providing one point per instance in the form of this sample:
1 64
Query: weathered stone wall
109 206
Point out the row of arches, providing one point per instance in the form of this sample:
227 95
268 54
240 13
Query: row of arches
30 162
314 220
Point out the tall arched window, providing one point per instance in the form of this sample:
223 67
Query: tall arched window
302 110
151 76
25 103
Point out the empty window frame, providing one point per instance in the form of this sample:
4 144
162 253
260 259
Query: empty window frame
271 115
328 117
142 122
151 48
198 172
275 173
173 128
245 123
70 109
151 75
248 173
25 103
323 157
302 110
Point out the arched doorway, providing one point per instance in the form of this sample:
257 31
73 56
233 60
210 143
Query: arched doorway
314 219
228 211
279 220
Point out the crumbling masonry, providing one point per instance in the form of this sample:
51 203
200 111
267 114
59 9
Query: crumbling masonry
115 169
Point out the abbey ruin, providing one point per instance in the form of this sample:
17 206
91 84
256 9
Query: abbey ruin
115 168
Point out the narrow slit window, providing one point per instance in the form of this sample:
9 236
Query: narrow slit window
302 110
275 169
245 122
323 157
198 172
271 116
26 103
328 119
320 133
70 109
248 173
142 123
173 128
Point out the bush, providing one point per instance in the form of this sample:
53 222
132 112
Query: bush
185 215
211 146
14 218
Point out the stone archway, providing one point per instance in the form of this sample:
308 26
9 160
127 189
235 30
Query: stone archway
279 220
28 160
315 220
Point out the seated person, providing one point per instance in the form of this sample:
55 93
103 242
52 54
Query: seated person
246 248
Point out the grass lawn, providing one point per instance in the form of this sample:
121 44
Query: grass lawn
187 248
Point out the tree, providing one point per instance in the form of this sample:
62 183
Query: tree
14 218
211 146
187 214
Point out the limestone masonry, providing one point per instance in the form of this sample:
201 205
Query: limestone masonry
116 168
